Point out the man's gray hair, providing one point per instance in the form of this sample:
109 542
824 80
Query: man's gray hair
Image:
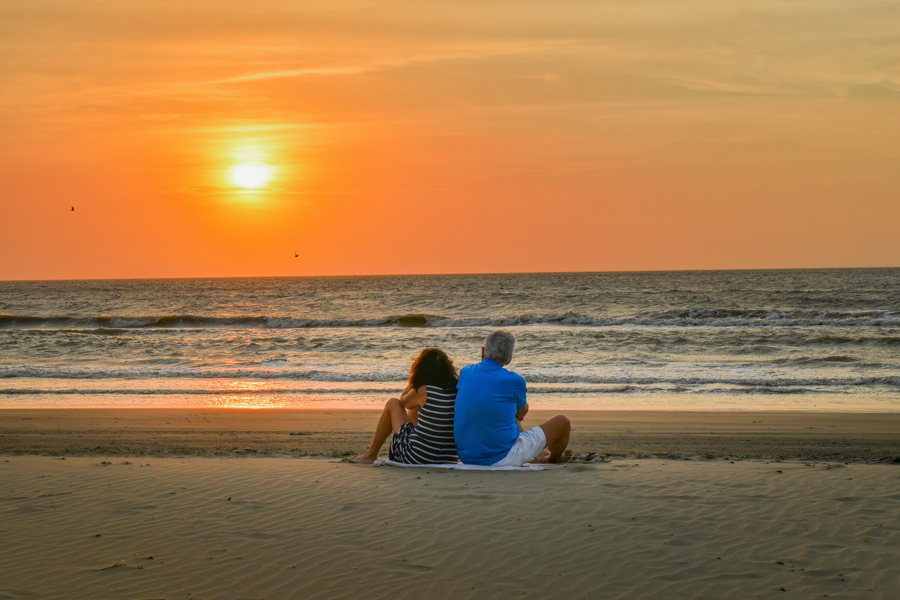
499 346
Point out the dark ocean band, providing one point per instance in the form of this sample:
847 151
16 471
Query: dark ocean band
710 317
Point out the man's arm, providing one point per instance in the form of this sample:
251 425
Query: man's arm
520 416
520 390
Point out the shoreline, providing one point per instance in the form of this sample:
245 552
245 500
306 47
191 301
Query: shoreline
377 406
740 435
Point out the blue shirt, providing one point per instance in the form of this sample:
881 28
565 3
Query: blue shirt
487 399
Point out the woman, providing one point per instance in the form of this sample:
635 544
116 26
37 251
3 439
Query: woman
422 418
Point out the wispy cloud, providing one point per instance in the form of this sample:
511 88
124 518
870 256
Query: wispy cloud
281 74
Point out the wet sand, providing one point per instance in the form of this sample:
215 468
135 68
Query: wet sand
850 437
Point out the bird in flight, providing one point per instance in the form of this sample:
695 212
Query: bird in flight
73 209
296 255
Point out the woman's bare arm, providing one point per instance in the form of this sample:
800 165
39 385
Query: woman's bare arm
413 398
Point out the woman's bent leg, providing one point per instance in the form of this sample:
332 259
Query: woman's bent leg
392 417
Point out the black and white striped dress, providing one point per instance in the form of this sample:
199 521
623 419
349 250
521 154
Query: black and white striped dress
430 441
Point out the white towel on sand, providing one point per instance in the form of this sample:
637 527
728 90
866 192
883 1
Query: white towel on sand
462 467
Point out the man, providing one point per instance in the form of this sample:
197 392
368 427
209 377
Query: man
490 407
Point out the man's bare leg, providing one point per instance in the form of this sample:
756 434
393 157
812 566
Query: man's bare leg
392 417
556 430
543 455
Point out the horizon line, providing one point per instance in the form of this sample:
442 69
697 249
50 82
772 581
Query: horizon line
448 274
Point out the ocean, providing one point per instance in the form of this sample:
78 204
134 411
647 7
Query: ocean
704 340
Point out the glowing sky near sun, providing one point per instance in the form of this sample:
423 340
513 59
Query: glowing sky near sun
218 138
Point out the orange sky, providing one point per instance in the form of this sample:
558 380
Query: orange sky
442 137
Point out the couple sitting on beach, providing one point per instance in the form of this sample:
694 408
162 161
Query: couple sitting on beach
474 417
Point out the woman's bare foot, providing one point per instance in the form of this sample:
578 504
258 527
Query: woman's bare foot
363 458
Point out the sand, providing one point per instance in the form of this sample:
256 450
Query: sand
854 437
198 505
205 528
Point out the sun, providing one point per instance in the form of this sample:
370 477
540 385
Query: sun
251 175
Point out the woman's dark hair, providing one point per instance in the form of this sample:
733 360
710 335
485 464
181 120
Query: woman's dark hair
433 367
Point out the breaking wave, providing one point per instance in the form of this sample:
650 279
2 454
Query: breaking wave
708 317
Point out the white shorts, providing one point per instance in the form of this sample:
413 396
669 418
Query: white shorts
528 445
